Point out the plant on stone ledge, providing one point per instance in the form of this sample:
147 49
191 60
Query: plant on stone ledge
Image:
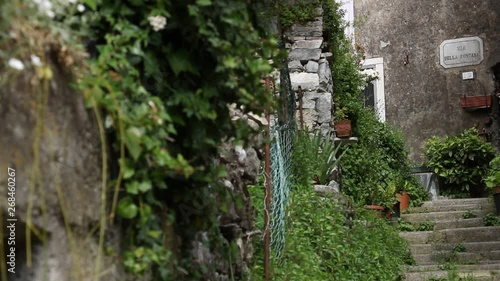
315 157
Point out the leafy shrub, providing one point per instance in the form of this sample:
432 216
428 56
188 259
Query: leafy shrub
461 160
492 179
320 246
378 164
298 13
491 220
315 157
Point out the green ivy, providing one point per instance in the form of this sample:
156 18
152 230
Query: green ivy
165 94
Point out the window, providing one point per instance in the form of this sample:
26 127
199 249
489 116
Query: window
374 92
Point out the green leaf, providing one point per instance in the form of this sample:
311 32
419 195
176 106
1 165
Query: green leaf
132 187
179 62
145 186
204 2
127 208
133 141
91 3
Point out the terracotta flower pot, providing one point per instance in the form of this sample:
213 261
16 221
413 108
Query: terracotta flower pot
343 128
475 102
377 208
404 201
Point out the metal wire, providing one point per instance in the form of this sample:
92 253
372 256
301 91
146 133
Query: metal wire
281 160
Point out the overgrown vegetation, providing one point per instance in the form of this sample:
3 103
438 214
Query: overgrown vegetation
162 74
461 160
492 179
299 13
323 244
315 158
423 226
328 238
378 165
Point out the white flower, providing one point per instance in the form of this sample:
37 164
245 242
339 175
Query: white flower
16 64
72 1
108 122
158 22
80 8
35 60
46 4
50 14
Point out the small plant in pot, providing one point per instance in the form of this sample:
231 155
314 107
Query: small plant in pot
342 125
383 199
492 181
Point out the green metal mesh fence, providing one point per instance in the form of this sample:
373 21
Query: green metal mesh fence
282 132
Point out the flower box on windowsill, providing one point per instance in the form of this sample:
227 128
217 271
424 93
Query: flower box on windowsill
475 102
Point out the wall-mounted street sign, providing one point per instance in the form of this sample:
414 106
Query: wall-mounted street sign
461 52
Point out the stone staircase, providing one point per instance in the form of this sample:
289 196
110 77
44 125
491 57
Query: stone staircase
458 243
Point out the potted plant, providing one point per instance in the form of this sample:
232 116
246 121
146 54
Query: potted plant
461 161
383 200
403 196
342 125
492 181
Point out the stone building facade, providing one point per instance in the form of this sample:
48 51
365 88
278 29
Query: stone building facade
431 57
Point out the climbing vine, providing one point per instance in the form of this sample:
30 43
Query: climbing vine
162 75
165 73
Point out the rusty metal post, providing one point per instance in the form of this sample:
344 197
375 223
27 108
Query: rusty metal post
267 174
301 112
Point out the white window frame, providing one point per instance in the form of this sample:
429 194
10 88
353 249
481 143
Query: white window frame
377 64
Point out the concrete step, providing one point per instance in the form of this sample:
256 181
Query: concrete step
462 267
471 247
448 208
467 201
477 275
456 235
441 216
459 223
483 257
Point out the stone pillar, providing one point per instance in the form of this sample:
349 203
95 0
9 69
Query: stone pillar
310 70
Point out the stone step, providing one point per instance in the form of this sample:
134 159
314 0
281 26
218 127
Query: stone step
456 235
448 208
459 223
467 201
483 257
477 275
462 267
471 247
441 216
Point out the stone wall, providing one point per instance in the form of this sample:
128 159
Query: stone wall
310 74
67 141
57 149
421 96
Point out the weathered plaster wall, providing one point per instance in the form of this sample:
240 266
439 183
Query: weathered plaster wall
422 97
